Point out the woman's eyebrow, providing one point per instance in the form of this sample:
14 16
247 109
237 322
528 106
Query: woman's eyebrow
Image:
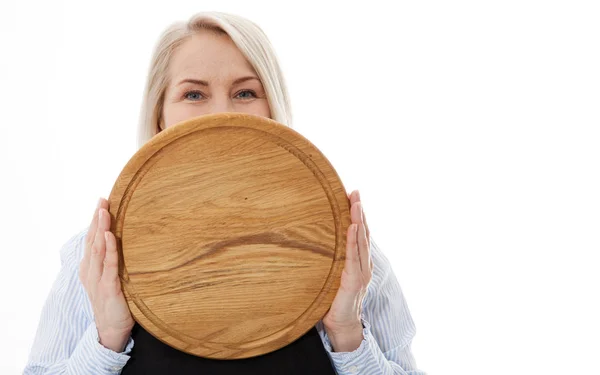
205 83
244 79
194 81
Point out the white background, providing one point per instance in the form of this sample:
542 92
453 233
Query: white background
470 127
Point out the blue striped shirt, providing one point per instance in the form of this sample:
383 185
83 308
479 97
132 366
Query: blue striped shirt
66 340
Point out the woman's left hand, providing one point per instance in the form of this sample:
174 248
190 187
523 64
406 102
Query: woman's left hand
343 320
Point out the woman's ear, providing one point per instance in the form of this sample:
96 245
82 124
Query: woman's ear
161 123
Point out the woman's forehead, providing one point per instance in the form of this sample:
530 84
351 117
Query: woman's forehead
209 56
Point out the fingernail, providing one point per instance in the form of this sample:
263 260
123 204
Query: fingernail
357 195
100 214
99 202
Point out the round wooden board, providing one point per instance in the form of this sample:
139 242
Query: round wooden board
231 231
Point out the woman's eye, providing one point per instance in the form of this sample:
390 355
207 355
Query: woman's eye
246 94
193 95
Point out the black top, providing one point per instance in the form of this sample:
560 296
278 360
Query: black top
151 356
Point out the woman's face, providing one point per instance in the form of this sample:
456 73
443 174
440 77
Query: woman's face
209 74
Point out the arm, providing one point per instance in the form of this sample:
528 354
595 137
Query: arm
66 340
388 328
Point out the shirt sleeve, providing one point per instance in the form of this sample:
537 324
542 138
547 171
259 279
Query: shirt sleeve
388 328
66 340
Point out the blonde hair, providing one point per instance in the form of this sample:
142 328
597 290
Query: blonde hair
245 34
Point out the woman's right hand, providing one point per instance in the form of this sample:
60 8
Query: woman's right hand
99 274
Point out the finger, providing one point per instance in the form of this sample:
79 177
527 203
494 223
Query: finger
362 241
363 248
355 213
352 264
367 239
98 248
364 219
110 273
354 197
91 234
89 238
358 216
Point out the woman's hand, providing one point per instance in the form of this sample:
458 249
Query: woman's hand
343 320
99 274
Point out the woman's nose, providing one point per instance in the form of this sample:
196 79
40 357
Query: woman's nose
222 105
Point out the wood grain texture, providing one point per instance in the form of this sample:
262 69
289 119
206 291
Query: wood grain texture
231 230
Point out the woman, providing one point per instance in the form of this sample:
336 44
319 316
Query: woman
216 63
